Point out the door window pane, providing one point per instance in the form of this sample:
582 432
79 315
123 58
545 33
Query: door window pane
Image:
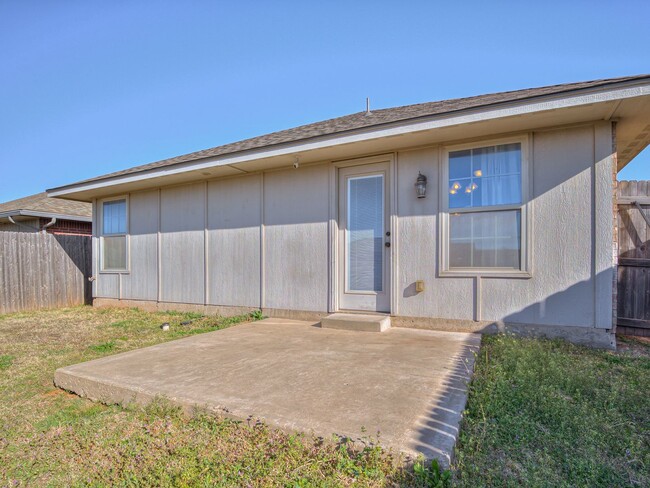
114 253
365 233
114 217
485 240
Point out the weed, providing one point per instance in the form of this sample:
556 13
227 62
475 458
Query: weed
120 323
430 475
6 361
256 315
103 347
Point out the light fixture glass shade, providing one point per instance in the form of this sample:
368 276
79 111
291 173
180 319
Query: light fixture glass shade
421 186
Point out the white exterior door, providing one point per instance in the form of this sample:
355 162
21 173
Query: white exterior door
364 238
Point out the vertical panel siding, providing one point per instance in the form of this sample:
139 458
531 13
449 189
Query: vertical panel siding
182 243
418 241
142 282
561 290
296 212
291 212
234 217
107 285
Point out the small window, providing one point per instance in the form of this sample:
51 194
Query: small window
485 210
114 235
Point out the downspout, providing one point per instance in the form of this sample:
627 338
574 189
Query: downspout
49 224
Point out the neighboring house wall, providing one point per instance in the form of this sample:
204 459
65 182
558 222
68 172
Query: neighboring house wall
67 227
23 226
216 242
61 226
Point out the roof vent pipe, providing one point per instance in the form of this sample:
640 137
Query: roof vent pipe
367 105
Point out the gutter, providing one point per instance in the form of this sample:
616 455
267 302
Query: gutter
20 224
45 215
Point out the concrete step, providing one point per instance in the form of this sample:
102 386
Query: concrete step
358 322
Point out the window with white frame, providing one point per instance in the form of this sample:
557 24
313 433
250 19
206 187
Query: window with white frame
485 209
114 235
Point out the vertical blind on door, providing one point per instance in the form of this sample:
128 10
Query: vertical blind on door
365 233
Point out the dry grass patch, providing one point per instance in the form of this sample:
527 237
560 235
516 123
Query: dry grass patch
50 437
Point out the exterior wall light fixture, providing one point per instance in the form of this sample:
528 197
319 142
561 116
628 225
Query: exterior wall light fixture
421 186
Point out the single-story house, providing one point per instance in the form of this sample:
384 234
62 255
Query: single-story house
489 212
54 215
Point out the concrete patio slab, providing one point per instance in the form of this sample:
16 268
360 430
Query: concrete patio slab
409 385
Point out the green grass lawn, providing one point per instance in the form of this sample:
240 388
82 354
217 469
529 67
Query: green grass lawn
547 413
540 413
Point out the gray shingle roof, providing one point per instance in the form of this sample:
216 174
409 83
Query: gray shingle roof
41 203
364 120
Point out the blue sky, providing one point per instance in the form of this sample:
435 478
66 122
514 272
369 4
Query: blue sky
89 87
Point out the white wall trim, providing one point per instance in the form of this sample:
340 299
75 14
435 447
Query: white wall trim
100 237
332 239
603 225
394 235
95 248
526 189
206 267
391 201
262 245
159 248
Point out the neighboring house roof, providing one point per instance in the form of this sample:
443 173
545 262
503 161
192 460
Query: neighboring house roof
364 122
40 205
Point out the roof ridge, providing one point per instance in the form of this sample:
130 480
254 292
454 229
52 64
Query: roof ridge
599 82
365 120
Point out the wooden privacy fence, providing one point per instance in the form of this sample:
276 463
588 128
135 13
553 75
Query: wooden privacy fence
41 270
633 281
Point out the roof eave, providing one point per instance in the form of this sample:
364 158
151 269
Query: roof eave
540 103
46 215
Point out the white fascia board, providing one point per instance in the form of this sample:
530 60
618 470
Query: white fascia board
45 215
507 109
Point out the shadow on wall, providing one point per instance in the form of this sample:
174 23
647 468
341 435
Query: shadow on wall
79 251
572 306
568 314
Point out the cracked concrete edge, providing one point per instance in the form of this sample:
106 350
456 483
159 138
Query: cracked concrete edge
109 393
459 388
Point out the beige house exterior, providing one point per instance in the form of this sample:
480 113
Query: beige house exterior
515 230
